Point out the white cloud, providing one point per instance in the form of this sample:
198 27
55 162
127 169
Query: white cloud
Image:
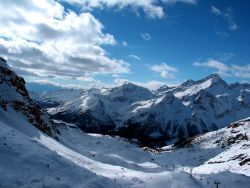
227 15
215 10
124 43
164 70
153 84
180 1
132 56
225 56
241 71
45 81
39 38
221 67
150 7
229 18
146 36
86 79
226 69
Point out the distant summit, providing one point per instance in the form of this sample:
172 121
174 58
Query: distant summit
215 79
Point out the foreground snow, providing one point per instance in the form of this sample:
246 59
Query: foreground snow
30 158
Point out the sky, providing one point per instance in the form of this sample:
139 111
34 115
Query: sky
104 43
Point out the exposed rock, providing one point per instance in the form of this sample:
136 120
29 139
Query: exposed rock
13 94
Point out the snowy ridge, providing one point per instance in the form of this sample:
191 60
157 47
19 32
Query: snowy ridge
168 113
226 149
237 158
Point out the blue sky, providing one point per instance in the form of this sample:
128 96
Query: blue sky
187 34
148 43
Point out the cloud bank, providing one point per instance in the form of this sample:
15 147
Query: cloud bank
151 8
227 15
40 38
226 69
166 71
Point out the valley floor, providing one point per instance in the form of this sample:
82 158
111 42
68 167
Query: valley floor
28 158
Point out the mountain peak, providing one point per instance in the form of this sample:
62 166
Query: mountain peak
129 85
3 63
213 76
189 82
130 92
164 87
215 79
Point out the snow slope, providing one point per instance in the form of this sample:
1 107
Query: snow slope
30 158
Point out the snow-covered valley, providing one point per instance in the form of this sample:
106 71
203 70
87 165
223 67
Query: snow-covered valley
30 158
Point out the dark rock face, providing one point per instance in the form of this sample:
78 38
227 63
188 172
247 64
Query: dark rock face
148 133
15 95
3 104
87 122
143 134
192 129
240 123
10 78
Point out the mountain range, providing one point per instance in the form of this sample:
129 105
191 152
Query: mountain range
154 118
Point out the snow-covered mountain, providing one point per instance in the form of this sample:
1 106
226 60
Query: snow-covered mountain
14 96
168 113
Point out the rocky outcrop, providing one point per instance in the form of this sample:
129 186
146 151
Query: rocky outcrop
13 94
